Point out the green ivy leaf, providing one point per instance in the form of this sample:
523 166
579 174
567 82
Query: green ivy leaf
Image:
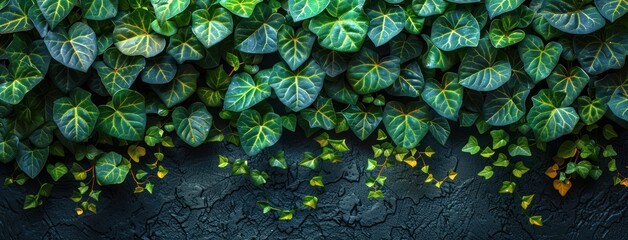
368 73
500 138
14 17
572 16
64 78
258 34
507 187
55 10
502 34
180 88
212 27
385 22
426 8
192 124
322 115
498 7
304 9
612 9
333 62
245 91
505 105
167 9
241 8
56 171
548 119
520 169
434 57
414 23
111 168
123 117
362 121
257 133
297 89
344 33
619 104
341 92
23 78
99 9
602 50
76 115
454 30
31 161
295 47
439 128
75 48
410 81
487 172
539 60
444 97
118 71
159 70
406 47
8 147
483 68
185 46
520 148
571 82
406 124
133 35
590 110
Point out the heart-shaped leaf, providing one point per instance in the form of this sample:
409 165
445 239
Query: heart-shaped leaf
484 68
572 16
410 82
133 35
258 34
75 48
297 89
295 47
498 7
257 133
612 9
245 91
180 88
618 103
31 161
166 9
571 82
338 7
23 78
602 50
14 17
434 57
304 9
192 124
344 33
414 23
439 128
56 171
123 117
111 168
341 92
385 23
444 97
8 147
185 46
55 10
159 70
454 30
503 35
368 73
212 27
42 137
76 115
99 9
590 110
539 60
505 105
426 8
118 71
322 115
548 119
241 8
66 78
406 124
334 62
406 47
363 121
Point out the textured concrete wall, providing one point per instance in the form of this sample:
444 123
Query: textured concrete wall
197 200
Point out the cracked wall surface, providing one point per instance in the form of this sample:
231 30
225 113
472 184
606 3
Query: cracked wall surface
198 200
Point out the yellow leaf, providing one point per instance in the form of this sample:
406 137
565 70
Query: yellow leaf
562 187
452 174
136 152
526 200
91 207
536 220
410 161
438 184
429 151
161 173
551 172
79 211
429 178
624 182
138 189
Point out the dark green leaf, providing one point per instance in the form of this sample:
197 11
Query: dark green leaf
123 117
257 133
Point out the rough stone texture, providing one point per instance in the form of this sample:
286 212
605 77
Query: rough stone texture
198 200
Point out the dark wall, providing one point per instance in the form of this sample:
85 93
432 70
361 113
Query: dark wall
198 200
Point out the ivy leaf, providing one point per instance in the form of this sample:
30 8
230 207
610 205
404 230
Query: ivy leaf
341 92
184 46
192 124
245 91
258 34
76 115
368 73
123 117
75 48
99 9
500 138
31 161
520 169
118 71
444 97
410 81
414 23
487 172
439 128
180 88
362 121
333 62
548 119
133 35
322 115
55 10
257 133
295 47
454 30
14 17
505 105
434 57
572 16
539 60
385 23
56 171
297 89
212 27
406 47
590 110
612 9
167 9
507 187
426 8
241 8
159 70
304 9
339 7
406 124
619 104
602 50
111 168
503 35
23 78
483 68
498 7
64 78
520 148
571 82
8 147
344 33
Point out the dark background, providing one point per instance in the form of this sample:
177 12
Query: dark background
198 200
